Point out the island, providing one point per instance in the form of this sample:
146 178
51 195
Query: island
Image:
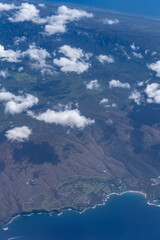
79 107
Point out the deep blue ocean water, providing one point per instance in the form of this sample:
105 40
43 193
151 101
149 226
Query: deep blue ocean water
126 217
150 8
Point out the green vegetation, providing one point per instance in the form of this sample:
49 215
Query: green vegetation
23 77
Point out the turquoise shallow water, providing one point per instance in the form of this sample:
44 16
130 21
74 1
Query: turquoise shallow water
150 8
126 217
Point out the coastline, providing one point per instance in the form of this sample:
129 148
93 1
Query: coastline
5 225
117 194
98 8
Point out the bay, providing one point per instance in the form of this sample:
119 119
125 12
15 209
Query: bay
125 217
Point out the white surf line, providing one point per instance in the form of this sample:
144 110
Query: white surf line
12 238
5 228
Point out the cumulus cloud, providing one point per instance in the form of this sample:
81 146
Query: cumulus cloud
17 104
140 84
57 23
19 134
133 47
38 57
114 105
41 5
155 67
20 69
126 54
19 40
66 118
9 55
136 97
137 55
53 24
104 101
105 59
92 85
117 83
110 21
3 73
6 7
72 53
27 12
153 93
154 53
146 51
75 60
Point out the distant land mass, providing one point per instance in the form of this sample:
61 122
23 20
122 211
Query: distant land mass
79 107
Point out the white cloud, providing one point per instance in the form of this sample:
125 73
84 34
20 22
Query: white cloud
27 12
126 54
38 56
110 21
133 47
41 5
54 24
105 59
6 7
154 53
57 23
67 65
104 101
106 104
136 97
17 104
66 118
140 84
137 55
146 52
9 55
3 73
153 93
23 103
74 60
92 85
20 69
19 134
117 83
19 40
155 67
72 53
114 105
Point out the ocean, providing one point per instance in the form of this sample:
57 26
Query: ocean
149 8
125 217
